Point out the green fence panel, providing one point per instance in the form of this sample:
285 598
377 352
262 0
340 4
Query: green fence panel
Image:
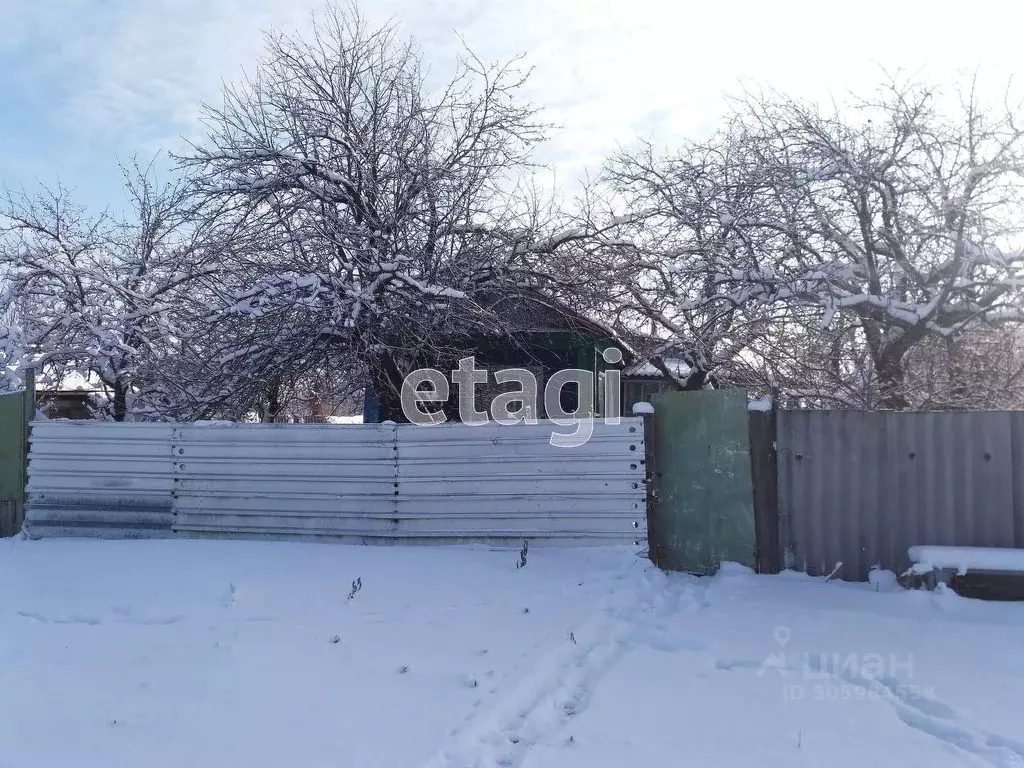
703 510
12 462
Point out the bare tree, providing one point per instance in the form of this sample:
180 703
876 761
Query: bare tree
98 294
892 221
655 269
376 211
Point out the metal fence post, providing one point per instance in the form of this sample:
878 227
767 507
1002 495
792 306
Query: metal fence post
652 475
30 414
764 479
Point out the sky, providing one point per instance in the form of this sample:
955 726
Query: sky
84 83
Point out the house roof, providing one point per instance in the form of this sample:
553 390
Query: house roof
645 369
532 312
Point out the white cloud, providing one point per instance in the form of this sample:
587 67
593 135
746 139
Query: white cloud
605 69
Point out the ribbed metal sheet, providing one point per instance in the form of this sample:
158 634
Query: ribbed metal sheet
93 478
315 480
369 482
510 482
860 487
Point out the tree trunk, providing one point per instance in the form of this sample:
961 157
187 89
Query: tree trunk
888 357
695 381
120 401
387 384
273 402
891 383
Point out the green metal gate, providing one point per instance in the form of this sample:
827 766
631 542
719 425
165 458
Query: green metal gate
15 412
701 510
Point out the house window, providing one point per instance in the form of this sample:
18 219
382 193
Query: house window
640 391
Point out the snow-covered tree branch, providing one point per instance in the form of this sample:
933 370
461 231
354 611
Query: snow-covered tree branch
376 210
96 294
895 220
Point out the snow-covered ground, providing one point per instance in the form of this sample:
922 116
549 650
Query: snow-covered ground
221 654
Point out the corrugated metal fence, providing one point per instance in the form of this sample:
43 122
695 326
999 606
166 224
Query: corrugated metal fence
860 487
856 487
361 483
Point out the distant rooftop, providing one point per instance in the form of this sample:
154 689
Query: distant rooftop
647 370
